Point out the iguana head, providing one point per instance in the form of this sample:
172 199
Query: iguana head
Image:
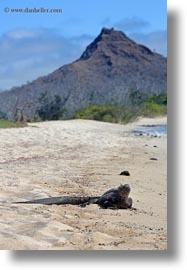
124 190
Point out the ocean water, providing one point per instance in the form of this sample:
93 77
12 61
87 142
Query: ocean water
158 131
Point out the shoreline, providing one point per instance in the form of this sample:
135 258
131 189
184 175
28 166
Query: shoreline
78 158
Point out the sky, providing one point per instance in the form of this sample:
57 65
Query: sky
35 44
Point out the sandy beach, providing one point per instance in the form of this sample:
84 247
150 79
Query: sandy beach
82 158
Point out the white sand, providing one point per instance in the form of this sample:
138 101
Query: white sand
81 158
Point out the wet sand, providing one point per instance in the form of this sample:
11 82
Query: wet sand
82 158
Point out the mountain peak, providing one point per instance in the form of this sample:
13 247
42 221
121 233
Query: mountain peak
111 43
106 31
112 69
105 38
112 32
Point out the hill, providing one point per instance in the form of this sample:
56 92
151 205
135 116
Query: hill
113 70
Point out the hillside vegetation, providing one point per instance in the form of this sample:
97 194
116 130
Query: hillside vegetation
153 107
112 114
139 106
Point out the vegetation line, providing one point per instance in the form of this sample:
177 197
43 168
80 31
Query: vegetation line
138 105
152 107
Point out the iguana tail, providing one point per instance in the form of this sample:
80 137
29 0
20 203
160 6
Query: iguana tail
63 200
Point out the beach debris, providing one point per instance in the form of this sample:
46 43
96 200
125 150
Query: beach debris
126 173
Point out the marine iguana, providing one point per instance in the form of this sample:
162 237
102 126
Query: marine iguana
113 199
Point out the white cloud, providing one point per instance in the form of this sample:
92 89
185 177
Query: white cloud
131 24
28 54
21 34
156 41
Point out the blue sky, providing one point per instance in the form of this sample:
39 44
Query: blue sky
33 45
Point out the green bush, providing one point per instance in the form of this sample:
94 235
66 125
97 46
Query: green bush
99 113
127 117
11 124
155 106
150 109
112 114
161 99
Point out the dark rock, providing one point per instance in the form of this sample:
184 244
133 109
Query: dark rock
126 173
153 158
155 146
